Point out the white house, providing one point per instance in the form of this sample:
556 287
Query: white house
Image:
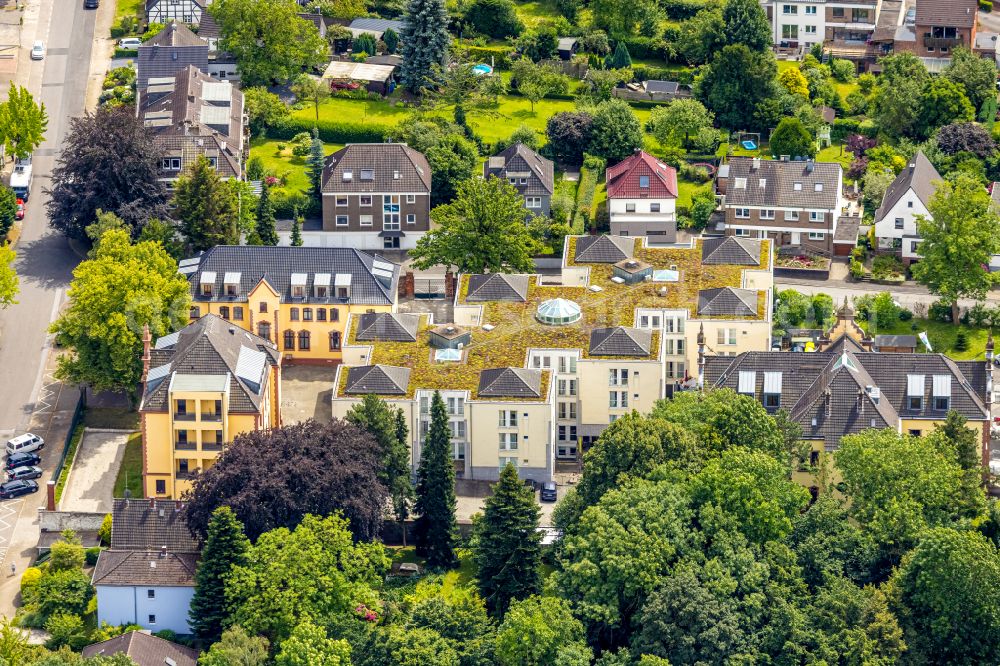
185 11
642 198
799 24
146 577
906 198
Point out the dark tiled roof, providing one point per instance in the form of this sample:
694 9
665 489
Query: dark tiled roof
208 28
144 649
623 178
661 86
498 287
276 264
174 34
377 379
730 250
128 568
779 179
620 341
510 383
603 249
186 124
212 346
836 387
521 159
895 341
919 174
388 326
139 524
727 301
386 161
950 13
375 25
847 230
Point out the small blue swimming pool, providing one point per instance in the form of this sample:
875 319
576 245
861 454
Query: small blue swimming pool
750 145
482 69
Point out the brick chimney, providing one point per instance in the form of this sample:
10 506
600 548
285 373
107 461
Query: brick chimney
147 340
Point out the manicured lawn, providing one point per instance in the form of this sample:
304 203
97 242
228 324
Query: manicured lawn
283 164
460 577
836 153
686 191
128 8
941 335
342 109
534 12
130 473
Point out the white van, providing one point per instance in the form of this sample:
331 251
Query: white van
25 444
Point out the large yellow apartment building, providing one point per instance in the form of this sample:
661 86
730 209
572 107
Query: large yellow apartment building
533 368
202 386
299 298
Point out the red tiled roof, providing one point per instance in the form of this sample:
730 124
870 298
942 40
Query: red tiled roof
623 178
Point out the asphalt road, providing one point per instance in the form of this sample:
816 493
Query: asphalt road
45 260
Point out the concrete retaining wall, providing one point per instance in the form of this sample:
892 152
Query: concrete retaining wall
78 521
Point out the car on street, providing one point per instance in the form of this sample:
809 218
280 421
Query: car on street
17 488
91 4
129 43
22 460
38 50
25 443
548 493
29 472
19 215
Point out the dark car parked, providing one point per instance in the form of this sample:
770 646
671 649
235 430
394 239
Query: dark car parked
30 472
90 4
17 488
16 460
548 493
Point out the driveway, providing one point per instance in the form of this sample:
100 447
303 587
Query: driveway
91 480
306 391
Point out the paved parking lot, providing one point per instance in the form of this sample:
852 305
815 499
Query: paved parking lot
91 480
306 391
9 512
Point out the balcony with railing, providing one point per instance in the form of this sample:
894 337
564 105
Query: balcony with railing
211 446
932 42
185 446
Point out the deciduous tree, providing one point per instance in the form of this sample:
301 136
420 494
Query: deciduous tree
110 162
736 82
942 102
435 528
496 18
452 161
507 543
236 648
539 631
8 211
206 208
10 284
264 108
226 547
113 295
960 235
22 122
701 36
975 74
425 42
568 134
309 645
747 24
676 123
792 138
312 89
615 132
268 39
326 468
966 137
482 231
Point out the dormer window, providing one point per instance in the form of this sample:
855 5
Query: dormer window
213 162
644 181
342 285
367 174
941 392
321 285
207 283
298 284
772 390
231 284
915 392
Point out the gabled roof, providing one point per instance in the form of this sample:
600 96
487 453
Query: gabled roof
174 34
518 158
777 184
497 287
661 86
140 524
388 326
377 379
603 249
375 26
727 301
919 175
510 383
896 341
948 13
212 347
623 179
131 568
393 167
374 280
144 649
620 341
730 250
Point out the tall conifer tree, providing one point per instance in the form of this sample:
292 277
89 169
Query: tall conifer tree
436 491
425 41
225 547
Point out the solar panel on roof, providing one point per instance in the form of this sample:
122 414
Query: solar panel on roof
189 261
187 270
382 274
382 265
165 341
215 115
216 91
158 373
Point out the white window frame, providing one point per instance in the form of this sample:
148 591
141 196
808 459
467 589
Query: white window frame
741 213
365 220
341 201
342 221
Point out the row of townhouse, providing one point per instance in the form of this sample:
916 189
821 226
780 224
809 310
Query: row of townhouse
863 30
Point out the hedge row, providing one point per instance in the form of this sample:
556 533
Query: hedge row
330 131
648 73
500 56
844 127
646 47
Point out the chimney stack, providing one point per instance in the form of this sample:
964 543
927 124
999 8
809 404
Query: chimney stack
163 552
152 502
146 347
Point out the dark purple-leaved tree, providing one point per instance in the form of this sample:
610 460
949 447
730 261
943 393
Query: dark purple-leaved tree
275 477
109 162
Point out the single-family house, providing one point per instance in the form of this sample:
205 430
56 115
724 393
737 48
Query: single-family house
190 114
797 204
642 198
942 25
907 197
143 649
168 52
375 196
529 172
146 577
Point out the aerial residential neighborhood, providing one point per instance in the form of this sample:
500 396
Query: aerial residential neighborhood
499 332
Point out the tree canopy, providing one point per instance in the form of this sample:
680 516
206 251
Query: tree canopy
425 42
738 80
22 122
206 207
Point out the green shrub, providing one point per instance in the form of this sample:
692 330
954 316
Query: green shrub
856 269
91 555
940 311
29 583
842 70
74 442
331 131
877 309
905 315
694 174
986 5
961 341
885 266
65 629
979 315
499 55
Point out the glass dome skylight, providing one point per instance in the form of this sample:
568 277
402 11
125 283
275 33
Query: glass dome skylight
558 312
